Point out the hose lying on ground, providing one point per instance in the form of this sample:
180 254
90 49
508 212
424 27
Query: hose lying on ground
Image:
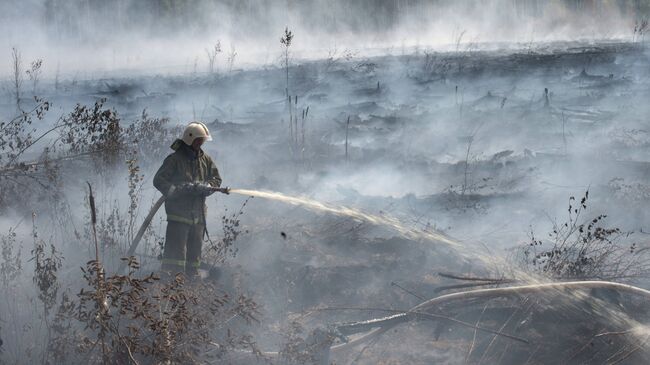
384 324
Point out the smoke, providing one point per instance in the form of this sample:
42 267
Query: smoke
172 37
464 144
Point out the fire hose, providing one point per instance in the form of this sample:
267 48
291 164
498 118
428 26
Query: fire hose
381 325
376 327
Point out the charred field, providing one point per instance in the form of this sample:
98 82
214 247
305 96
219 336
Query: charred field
403 178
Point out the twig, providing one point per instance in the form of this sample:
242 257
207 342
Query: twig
613 333
472 285
128 349
470 278
347 127
19 153
20 166
516 328
487 350
471 346
100 273
93 219
406 290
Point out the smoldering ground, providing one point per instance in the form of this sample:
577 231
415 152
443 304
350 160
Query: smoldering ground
465 143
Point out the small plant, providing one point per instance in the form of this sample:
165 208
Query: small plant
34 74
459 39
285 41
640 29
212 57
347 132
17 80
334 57
17 135
231 57
135 181
629 191
113 229
149 138
94 130
57 82
11 265
297 129
583 249
435 67
468 184
45 270
218 252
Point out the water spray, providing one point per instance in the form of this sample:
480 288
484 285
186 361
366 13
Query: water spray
317 206
380 220
310 204
353 213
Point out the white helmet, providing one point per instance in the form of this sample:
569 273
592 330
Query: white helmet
195 130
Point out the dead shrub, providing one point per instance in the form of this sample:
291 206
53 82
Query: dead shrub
126 318
583 249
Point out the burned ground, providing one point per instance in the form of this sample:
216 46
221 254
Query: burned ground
483 146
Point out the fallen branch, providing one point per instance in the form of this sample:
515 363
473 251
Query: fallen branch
471 285
407 291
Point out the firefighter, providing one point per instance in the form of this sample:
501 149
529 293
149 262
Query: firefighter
186 178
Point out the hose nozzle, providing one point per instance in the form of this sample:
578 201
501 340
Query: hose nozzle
224 190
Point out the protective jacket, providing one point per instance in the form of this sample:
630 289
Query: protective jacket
182 167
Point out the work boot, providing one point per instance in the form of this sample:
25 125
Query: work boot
166 275
192 274
215 273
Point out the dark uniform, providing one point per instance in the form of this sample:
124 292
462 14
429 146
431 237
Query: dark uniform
186 209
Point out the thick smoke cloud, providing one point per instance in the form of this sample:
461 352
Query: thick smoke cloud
171 36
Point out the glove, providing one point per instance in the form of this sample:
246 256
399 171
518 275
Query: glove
195 189
204 189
